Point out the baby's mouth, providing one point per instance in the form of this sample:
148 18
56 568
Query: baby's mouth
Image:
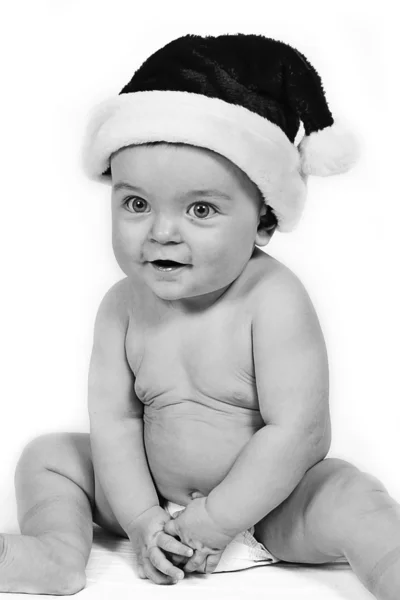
167 265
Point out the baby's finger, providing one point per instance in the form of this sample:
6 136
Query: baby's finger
171 528
212 562
176 559
141 571
170 544
197 495
194 563
154 575
161 563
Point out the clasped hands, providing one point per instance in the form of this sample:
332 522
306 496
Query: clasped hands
195 527
163 544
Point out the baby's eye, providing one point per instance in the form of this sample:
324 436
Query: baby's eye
204 209
134 204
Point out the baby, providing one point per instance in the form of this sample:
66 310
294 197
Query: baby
208 381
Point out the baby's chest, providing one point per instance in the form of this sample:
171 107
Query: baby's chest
207 361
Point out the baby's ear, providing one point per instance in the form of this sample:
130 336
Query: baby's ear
266 226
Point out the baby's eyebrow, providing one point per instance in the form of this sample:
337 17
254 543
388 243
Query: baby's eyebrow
204 193
208 193
123 184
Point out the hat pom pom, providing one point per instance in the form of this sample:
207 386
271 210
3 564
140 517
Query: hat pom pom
329 151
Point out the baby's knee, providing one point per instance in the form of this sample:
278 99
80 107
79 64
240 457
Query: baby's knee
49 448
68 454
38 448
356 494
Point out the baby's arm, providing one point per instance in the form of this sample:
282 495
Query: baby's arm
116 435
292 379
115 412
292 383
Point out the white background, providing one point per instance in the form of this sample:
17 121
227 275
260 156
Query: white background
58 60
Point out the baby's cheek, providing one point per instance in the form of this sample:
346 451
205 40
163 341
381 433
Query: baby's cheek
125 250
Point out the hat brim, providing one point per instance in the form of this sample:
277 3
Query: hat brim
256 145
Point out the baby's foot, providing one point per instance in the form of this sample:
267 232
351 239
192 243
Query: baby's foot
44 565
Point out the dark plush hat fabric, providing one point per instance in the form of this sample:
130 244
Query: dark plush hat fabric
243 96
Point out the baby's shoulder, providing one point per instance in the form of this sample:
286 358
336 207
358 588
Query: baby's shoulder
118 300
279 292
272 279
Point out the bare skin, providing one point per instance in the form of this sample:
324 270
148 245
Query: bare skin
57 533
189 349
192 420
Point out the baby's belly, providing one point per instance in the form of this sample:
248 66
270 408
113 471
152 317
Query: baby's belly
191 446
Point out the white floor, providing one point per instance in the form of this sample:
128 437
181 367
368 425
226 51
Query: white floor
110 575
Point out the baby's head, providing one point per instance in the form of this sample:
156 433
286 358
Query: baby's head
222 102
189 205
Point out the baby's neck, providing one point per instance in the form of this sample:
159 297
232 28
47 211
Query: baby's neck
196 304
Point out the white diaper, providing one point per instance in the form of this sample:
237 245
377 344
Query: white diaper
243 552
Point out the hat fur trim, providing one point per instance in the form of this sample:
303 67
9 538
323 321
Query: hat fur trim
329 151
255 144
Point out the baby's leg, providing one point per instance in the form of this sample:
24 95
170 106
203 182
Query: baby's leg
55 493
339 512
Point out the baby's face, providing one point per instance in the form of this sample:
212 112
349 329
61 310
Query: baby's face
162 212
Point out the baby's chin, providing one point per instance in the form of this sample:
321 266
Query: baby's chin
197 300
194 292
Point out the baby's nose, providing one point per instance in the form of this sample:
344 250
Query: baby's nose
165 229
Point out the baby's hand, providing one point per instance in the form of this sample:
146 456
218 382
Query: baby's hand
196 528
151 543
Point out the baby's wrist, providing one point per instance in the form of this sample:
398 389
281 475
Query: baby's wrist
143 518
219 521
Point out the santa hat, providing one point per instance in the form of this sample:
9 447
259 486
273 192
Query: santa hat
242 96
